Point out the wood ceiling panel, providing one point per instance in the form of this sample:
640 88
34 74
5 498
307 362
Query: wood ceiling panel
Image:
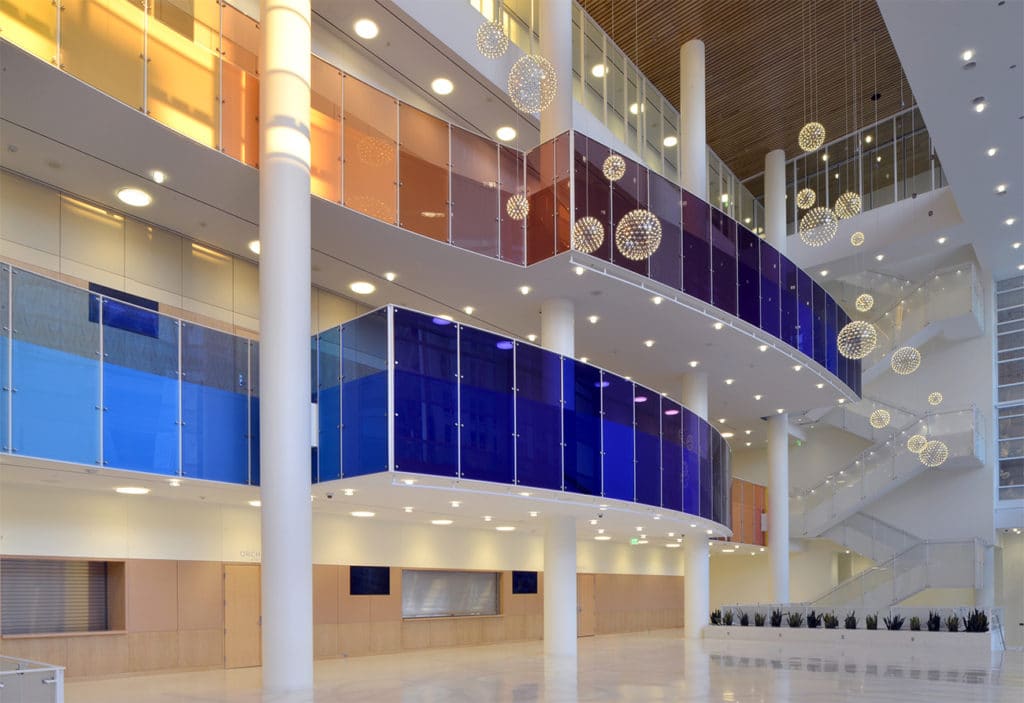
759 54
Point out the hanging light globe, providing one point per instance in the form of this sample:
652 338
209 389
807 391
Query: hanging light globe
638 234
864 302
880 418
905 361
517 206
812 136
857 339
916 443
614 167
805 198
847 205
818 227
491 40
587 234
532 83
934 398
934 454
857 238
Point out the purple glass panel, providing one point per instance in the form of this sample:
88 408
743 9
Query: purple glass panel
805 299
475 197
538 417
563 193
671 455
598 196
748 303
667 205
770 298
513 180
540 189
648 446
818 297
707 484
790 305
723 261
617 431
691 463
696 247
629 193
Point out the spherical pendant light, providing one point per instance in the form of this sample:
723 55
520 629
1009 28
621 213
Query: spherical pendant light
857 238
916 443
905 361
614 167
818 226
638 234
491 40
812 136
934 398
532 83
880 418
847 205
864 302
934 454
857 339
517 206
805 198
587 234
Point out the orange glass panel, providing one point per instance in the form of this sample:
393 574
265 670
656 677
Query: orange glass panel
423 173
370 151
240 86
30 25
563 196
325 130
102 44
540 189
512 246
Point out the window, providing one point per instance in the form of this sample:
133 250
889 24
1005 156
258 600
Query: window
369 581
431 594
1010 390
42 596
524 582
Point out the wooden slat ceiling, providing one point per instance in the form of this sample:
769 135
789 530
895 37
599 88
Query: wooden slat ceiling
758 56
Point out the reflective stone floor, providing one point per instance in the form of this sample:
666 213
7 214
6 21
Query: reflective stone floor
654 666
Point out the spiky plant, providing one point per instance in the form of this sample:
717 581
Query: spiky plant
795 619
850 622
894 623
716 617
830 620
744 619
776 618
934 621
953 623
727 618
976 622
759 619
871 622
813 620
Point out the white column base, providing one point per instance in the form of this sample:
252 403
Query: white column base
696 586
560 601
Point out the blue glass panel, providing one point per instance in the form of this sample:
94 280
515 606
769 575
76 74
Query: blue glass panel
691 463
5 353
487 405
790 309
140 395
617 429
717 468
707 484
215 404
538 417
723 261
648 446
696 247
805 298
844 368
629 193
770 298
328 404
820 314
56 371
582 422
254 413
671 455
832 351
364 394
748 303
426 394
667 205
857 379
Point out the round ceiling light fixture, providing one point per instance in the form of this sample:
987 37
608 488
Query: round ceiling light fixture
491 40
905 361
638 234
614 167
442 86
934 398
917 443
136 197
362 287
532 83
857 339
517 206
812 136
864 302
880 418
806 198
366 29
934 454
587 234
818 227
857 239
506 134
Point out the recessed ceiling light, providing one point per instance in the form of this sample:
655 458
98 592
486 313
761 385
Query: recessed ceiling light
648 343
780 410
693 524
721 420
757 397
728 435
673 545
718 325
505 134
694 364
390 275
840 400
670 141
992 151
468 309
532 337
441 522
1016 245
868 139
763 348
408 481
407 508
748 443
442 86
456 503
593 319
634 108
602 538
710 532
585 359
533 513
349 492
1001 188
878 158
132 490
730 381
158 176
136 197
525 494
747 431
824 272
255 503
598 70
746 220
819 386
824 157
967 55
1009 223
879 257
579 270
797 367
362 287
724 197
254 247
593 522
505 528
367 29
174 483
362 513
657 300
979 107
1020 267
525 290
941 240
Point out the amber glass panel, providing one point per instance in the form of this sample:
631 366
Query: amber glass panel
475 197
102 44
325 126
184 63
241 86
540 189
30 25
513 236
423 173
563 193
370 129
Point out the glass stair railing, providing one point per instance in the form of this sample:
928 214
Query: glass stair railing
856 418
871 537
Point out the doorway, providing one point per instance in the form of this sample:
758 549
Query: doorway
586 620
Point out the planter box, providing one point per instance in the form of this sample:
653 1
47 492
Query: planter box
967 642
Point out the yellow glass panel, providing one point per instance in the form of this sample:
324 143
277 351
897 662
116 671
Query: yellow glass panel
325 126
30 25
102 44
240 88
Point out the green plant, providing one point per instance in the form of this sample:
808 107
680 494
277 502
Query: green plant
759 619
716 617
976 622
830 620
934 621
795 619
915 623
744 619
727 618
871 622
953 623
894 623
813 620
850 622
776 618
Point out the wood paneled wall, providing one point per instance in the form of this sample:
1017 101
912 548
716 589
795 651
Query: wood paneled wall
627 603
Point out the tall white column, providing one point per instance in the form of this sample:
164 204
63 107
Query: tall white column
287 570
693 138
775 199
560 586
696 585
778 505
558 326
556 46
695 393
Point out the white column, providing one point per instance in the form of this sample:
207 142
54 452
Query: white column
985 596
778 505
693 155
696 585
287 570
695 393
556 46
775 199
560 586
558 326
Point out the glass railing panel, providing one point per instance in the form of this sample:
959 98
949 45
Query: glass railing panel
254 413
475 196
581 420
102 43
364 392
628 193
617 427
325 130
691 462
707 476
512 170
240 86
790 308
563 192
486 406
593 191
540 192
748 277
671 454
771 300
647 413
666 264
594 68
5 357
328 404
32 26
615 95
696 247
370 169
723 261
538 417
423 155
818 298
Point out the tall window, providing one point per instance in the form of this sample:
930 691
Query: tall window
1010 398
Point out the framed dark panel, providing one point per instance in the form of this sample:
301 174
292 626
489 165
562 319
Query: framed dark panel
629 193
832 349
771 301
748 302
844 366
820 316
487 406
707 480
124 311
723 261
475 197
790 303
805 309
582 421
696 247
666 265
671 455
691 462
648 446
598 194
538 417
364 392
369 580
524 582
328 405
540 189
617 431
512 242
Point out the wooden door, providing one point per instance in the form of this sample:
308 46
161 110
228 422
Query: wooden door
586 620
242 628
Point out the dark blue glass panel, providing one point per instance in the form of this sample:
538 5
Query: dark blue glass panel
487 406
707 484
667 205
691 463
805 298
648 446
671 455
629 193
718 476
818 297
426 394
790 308
329 404
582 421
538 417
748 302
140 396
832 350
214 405
131 313
857 364
617 428
696 247
770 299
723 261
254 413
5 341
844 369
364 394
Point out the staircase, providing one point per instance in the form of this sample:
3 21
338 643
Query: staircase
871 537
855 418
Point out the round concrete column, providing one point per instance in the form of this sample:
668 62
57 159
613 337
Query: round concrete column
778 505
693 155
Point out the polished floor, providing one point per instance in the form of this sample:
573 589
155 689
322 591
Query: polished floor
655 666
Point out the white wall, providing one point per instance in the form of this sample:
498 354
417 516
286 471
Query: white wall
742 578
825 451
1010 586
